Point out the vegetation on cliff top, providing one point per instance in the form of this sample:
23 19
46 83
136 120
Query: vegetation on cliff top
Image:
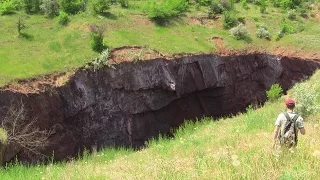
36 40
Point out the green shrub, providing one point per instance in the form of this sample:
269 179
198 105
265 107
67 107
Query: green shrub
287 4
307 96
292 14
227 4
276 3
101 60
263 6
239 32
8 6
214 9
97 38
280 35
290 4
71 6
32 6
63 18
18 4
96 42
285 28
124 3
244 4
241 20
229 20
50 7
162 10
274 92
203 2
255 2
100 6
262 32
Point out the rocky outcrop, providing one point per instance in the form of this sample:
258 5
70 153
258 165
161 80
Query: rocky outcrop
128 104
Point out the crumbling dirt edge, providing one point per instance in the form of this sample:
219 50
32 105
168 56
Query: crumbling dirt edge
118 55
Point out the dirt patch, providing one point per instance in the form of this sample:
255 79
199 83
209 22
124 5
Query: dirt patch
317 15
139 19
83 27
39 84
287 51
205 21
133 53
219 44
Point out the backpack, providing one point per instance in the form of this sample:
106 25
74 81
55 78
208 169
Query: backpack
288 138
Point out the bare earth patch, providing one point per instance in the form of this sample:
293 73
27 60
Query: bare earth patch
287 51
133 53
139 19
38 84
219 44
205 21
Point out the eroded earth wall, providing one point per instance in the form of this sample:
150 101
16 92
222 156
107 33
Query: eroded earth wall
128 104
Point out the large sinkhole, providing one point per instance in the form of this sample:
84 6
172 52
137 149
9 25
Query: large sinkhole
132 102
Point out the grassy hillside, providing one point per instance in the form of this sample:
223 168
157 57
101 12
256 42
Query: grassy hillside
239 147
47 47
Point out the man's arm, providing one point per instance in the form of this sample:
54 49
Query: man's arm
300 125
277 128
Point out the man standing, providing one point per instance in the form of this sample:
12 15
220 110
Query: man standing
288 124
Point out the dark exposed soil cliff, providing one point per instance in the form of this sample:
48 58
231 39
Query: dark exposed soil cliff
127 105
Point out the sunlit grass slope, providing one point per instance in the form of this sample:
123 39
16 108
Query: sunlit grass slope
239 147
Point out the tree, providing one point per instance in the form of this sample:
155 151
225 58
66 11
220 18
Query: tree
32 6
97 38
16 131
263 6
71 6
8 6
63 18
274 92
50 7
100 6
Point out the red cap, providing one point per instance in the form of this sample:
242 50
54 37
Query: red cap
290 101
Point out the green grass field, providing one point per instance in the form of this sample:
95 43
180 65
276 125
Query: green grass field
51 48
239 147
